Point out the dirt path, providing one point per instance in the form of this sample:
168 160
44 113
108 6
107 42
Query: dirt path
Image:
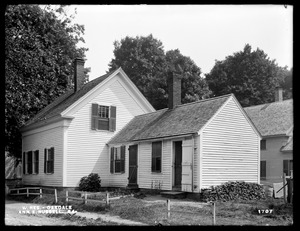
14 217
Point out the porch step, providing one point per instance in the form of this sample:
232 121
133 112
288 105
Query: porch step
173 194
133 187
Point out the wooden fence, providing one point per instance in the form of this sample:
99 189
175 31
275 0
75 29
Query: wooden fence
213 204
84 195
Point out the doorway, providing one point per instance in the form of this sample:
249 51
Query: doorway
133 164
177 165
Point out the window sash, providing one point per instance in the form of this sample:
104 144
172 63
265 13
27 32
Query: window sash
35 162
50 160
103 112
117 160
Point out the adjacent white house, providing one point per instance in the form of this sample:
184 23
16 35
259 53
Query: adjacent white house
108 127
275 123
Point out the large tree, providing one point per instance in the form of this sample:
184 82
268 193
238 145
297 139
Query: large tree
147 64
39 50
250 75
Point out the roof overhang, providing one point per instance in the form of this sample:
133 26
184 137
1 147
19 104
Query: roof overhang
43 123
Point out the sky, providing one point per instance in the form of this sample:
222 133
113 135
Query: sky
205 33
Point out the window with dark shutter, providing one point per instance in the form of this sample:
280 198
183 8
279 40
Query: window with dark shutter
49 160
156 156
103 117
112 160
29 162
112 119
94 116
36 162
45 160
23 163
122 159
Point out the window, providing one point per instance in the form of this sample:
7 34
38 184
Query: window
263 145
31 162
49 160
288 167
35 162
103 117
263 169
117 159
156 156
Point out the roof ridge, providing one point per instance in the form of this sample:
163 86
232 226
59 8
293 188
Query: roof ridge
283 101
203 100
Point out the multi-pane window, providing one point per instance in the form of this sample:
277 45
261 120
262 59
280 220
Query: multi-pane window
263 145
117 159
31 162
49 160
103 112
288 167
156 156
103 117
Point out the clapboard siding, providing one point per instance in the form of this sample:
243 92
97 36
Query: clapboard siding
230 148
39 141
87 151
149 180
120 179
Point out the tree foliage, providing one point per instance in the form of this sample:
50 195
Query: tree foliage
250 75
147 65
39 50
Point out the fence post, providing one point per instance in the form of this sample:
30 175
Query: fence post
27 190
55 195
67 196
107 198
284 182
214 213
41 193
85 197
169 209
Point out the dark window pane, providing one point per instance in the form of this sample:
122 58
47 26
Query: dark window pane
117 166
263 145
158 164
263 169
156 156
103 124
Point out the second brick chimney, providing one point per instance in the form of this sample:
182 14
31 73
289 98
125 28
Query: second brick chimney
278 94
174 90
78 74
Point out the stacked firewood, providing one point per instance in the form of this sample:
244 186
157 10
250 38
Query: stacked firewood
232 191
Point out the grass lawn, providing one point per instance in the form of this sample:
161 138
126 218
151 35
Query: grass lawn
227 213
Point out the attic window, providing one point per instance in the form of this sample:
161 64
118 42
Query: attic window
103 117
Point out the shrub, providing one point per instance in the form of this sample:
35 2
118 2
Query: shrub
232 191
90 183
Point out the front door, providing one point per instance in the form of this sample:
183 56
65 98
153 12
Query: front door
132 178
178 164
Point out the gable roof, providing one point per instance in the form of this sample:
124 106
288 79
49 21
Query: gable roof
183 119
272 119
65 100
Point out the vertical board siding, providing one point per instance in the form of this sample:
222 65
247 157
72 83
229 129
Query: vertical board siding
87 150
149 180
230 148
39 141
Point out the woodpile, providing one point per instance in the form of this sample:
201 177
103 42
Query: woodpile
232 191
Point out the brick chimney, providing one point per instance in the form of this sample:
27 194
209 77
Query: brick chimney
278 94
78 74
174 90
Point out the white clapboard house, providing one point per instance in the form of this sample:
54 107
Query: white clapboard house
107 126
